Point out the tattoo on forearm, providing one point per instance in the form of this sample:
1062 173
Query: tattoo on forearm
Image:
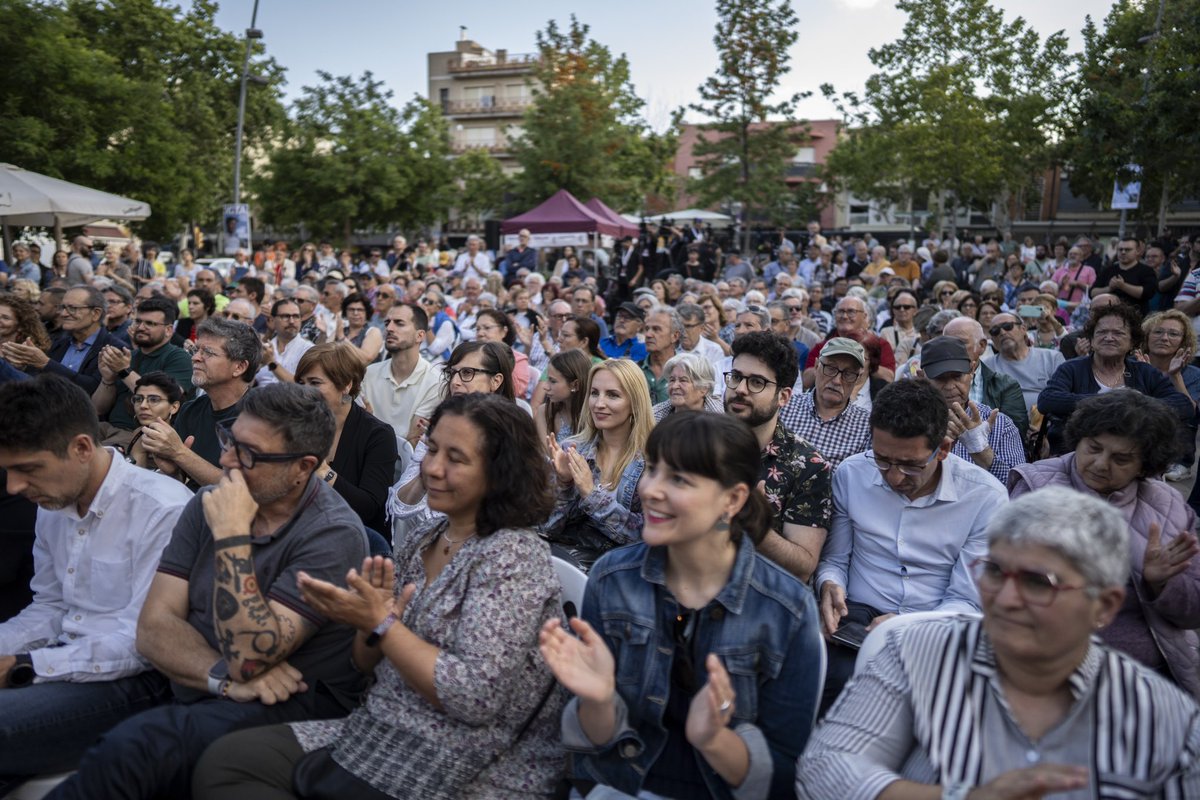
227 648
225 604
251 667
258 613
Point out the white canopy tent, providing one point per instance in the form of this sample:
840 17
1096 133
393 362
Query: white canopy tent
30 198
685 215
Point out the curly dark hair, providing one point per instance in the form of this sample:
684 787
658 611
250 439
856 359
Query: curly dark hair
206 299
29 324
774 351
721 448
910 408
519 491
359 297
1131 415
1129 314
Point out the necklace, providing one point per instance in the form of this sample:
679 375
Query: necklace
451 542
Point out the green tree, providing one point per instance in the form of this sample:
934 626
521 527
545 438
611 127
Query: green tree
745 152
584 131
132 97
482 185
351 161
1136 99
965 106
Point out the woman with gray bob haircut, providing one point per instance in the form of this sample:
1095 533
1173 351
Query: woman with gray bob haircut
1025 702
690 381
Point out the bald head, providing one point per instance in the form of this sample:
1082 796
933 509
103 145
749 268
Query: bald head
970 333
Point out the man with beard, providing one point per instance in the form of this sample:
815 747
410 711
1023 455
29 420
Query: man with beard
223 619
796 479
1030 367
120 370
69 666
281 355
226 358
404 390
825 417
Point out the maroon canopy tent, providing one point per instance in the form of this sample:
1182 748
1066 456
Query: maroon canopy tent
561 220
601 210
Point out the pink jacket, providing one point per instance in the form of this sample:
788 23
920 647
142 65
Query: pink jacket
1143 502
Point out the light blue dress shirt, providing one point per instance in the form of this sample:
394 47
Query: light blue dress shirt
900 555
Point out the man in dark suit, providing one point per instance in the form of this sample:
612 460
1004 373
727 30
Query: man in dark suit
75 353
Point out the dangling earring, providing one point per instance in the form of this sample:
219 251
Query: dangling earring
346 399
723 522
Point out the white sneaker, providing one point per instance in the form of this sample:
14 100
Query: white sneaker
1178 472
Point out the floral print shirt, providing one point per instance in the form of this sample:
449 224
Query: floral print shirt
799 481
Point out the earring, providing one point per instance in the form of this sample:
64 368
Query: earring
723 522
346 399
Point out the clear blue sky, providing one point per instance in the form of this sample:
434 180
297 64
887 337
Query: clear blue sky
668 42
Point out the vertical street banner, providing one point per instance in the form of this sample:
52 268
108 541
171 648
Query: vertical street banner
236 229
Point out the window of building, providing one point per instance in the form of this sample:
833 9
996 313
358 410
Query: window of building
805 155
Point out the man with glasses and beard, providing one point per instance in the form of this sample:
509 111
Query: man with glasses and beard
75 354
223 619
796 479
226 358
120 370
909 517
281 355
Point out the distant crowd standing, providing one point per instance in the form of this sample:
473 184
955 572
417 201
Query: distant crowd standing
840 518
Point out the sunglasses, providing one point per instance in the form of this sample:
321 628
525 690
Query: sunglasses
1003 326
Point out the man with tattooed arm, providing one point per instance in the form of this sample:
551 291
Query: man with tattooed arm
224 620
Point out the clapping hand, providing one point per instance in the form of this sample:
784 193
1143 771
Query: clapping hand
1181 359
1162 562
561 460
712 707
581 473
584 665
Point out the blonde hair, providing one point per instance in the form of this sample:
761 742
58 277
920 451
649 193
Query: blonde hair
633 383
1172 315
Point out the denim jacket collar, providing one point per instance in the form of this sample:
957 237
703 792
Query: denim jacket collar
732 597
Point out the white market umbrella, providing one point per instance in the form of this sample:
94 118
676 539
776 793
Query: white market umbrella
30 198
688 214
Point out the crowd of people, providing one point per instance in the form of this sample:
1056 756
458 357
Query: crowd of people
885 521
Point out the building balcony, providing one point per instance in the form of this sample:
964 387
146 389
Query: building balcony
500 64
495 148
487 107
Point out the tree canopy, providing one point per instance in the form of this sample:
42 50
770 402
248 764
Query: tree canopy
133 97
964 103
351 160
584 131
745 151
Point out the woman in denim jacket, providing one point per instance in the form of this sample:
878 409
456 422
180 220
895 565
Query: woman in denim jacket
597 506
697 668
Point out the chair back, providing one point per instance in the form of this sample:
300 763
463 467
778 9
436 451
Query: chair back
877 637
573 581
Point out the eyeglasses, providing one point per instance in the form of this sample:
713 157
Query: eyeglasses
73 310
487 328
905 307
945 292
849 375
145 323
207 353
755 383
561 316
465 374
911 470
795 309
284 317
1166 333
148 399
847 312
1001 326
247 456
1035 588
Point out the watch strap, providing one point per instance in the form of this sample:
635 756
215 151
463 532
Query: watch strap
217 676
272 366
123 374
382 628
22 672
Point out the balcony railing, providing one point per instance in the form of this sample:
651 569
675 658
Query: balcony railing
487 106
497 63
491 147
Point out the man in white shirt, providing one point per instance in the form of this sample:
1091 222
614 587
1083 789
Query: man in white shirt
693 340
404 390
282 354
909 517
69 667
474 262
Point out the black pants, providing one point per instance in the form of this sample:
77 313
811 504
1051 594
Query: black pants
152 755
841 659
254 764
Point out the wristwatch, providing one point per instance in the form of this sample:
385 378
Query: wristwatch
379 630
272 366
218 676
21 673
123 374
329 476
956 791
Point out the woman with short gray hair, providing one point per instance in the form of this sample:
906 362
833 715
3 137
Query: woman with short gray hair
1025 702
690 381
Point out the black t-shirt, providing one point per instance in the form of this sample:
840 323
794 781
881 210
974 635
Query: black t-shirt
198 419
1138 275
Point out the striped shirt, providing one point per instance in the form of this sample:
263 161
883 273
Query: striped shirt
930 708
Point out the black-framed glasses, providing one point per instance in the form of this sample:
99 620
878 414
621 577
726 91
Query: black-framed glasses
905 307
1035 588
247 456
145 323
1001 326
151 399
911 470
755 383
464 374
73 310
848 375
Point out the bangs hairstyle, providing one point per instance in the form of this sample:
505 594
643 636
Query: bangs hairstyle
720 448
497 358
633 384
340 361
519 491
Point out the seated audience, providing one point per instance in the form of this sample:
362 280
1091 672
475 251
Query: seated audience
224 619
1026 702
156 396
690 617
561 414
69 667
825 417
462 704
75 352
690 382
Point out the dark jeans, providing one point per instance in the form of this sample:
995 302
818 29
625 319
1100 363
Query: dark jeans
841 659
152 755
46 727
249 765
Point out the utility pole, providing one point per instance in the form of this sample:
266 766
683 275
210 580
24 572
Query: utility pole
252 33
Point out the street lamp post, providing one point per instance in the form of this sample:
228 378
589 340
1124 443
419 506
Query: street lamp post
252 33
